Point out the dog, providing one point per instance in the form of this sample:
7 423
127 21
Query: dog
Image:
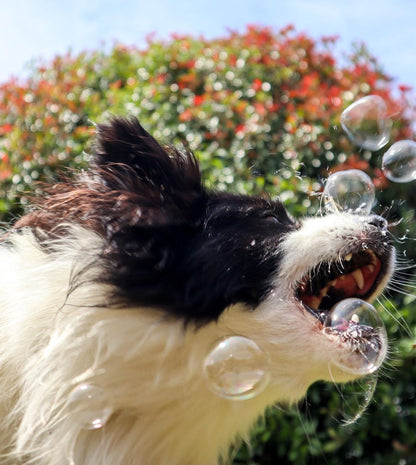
124 277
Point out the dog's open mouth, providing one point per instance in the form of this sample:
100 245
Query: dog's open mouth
355 275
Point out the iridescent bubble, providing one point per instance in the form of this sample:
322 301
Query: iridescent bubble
358 325
89 406
236 368
349 191
350 400
366 122
399 162
356 398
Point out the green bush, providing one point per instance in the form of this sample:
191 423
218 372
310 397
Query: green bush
261 109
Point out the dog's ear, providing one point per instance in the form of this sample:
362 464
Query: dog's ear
124 145
133 182
127 158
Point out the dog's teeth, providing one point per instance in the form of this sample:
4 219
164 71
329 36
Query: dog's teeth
359 278
371 268
348 257
374 259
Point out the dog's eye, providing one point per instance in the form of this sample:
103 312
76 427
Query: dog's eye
272 218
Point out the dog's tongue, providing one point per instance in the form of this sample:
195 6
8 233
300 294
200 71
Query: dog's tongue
359 282
347 284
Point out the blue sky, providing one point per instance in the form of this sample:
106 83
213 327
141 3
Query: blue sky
31 29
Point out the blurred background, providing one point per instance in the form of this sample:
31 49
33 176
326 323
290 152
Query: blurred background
43 28
256 89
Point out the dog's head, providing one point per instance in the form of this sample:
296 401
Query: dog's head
222 264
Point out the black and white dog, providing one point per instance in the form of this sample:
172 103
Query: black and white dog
126 276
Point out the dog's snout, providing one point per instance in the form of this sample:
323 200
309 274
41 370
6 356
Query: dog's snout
378 221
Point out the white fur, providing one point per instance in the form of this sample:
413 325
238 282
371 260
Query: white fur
149 364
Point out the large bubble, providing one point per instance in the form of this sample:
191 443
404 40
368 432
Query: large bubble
88 404
399 162
349 191
366 123
236 368
358 325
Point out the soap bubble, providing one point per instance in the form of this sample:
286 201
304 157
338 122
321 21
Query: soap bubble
357 324
89 406
366 123
399 162
236 368
356 398
349 400
349 191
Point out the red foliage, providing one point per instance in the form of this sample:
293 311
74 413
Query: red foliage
257 92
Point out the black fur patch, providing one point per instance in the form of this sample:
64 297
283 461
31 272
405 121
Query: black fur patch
169 242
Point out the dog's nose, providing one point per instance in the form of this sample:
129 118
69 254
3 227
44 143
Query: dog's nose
378 221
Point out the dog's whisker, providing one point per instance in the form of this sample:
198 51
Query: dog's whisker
394 314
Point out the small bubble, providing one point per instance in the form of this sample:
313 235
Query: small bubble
342 158
358 325
16 179
329 155
266 86
236 368
366 123
349 191
89 406
354 398
399 162
327 145
28 98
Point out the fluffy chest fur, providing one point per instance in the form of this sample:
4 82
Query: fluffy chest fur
124 279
